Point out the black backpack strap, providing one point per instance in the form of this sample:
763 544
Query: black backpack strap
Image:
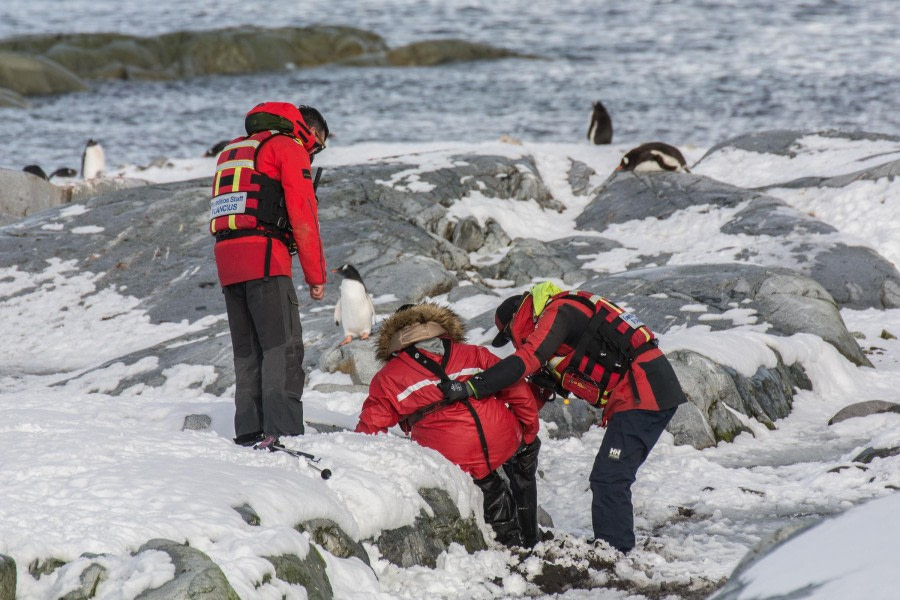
268 262
441 373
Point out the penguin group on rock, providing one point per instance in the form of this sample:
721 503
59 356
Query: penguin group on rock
354 309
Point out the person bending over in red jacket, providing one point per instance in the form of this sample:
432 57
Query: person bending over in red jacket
584 345
263 210
422 345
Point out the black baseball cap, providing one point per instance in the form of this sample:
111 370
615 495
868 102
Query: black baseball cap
503 317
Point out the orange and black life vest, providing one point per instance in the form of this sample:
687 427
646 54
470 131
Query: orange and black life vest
245 201
605 351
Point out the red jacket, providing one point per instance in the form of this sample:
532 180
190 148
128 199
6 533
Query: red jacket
282 158
403 386
555 335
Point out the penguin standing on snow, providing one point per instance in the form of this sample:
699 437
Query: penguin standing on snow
93 161
354 310
600 130
654 156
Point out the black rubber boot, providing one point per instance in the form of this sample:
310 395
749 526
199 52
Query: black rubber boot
500 510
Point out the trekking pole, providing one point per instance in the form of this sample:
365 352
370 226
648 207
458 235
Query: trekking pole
310 460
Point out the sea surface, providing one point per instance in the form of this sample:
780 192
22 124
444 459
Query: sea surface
687 72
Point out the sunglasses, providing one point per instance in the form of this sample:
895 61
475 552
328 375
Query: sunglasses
319 145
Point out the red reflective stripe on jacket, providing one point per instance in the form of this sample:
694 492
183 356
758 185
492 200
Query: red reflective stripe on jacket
403 386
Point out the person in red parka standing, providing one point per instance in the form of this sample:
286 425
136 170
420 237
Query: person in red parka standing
263 210
422 345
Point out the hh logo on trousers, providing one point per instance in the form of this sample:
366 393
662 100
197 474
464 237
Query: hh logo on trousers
614 454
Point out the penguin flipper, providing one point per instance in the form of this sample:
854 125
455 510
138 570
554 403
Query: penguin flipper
371 307
337 313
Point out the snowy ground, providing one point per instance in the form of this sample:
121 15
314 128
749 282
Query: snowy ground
84 471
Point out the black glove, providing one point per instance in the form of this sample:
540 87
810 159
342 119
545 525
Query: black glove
547 386
454 391
529 449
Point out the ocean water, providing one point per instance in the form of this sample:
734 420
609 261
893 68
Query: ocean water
687 72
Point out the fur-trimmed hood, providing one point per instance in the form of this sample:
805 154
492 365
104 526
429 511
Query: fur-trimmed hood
417 323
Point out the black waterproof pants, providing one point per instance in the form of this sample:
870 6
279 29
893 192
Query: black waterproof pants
629 437
510 507
267 340
500 509
521 470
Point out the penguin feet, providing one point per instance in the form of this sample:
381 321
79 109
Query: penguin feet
346 340
364 336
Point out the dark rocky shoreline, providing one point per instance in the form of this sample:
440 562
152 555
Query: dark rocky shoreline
65 63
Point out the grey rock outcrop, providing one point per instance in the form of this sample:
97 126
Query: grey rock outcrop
356 359
732 589
529 258
718 392
864 409
327 534
45 64
7 578
438 52
35 75
25 195
193 53
569 419
422 542
308 572
248 514
196 423
91 577
870 454
196 576
788 302
855 276
11 99
783 142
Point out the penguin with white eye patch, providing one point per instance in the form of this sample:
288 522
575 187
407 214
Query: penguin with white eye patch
654 156
354 310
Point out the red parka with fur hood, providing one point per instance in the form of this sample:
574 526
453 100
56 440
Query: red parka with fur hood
285 159
403 386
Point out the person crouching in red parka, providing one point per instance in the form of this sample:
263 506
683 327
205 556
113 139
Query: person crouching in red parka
422 345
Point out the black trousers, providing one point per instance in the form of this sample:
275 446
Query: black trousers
510 508
521 470
267 340
629 437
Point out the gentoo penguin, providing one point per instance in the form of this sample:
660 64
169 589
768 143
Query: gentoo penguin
64 172
600 130
354 309
217 148
36 170
654 156
93 161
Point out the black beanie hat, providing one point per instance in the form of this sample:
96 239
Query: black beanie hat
503 317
